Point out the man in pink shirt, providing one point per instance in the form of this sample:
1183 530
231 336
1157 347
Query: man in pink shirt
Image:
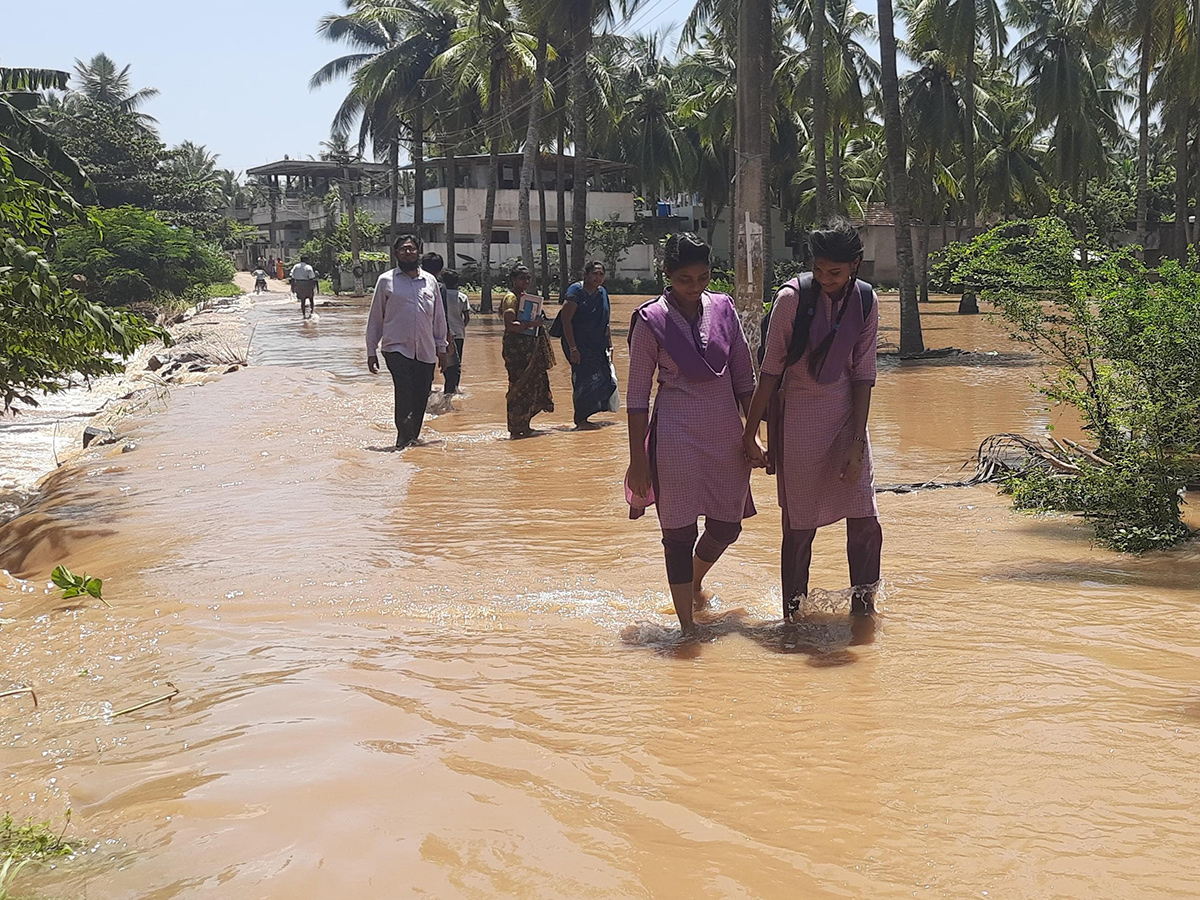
408 321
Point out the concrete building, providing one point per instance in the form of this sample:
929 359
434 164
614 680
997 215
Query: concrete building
298 186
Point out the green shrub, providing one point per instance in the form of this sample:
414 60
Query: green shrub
1126 344
129 255
48 331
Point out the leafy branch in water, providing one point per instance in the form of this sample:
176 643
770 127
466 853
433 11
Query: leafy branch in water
29 842
77 585
1125 342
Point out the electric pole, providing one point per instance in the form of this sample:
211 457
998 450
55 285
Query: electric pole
750 200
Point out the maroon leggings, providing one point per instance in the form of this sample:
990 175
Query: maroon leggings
679 544
864 543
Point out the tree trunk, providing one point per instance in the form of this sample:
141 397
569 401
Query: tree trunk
839 205
394 177
355 246
750 184
1196 188
451 208
1143 161
820 99
532 148
969 303
923 240
489 212
581 29
418 155
1181 184
560 186
537 170
911 342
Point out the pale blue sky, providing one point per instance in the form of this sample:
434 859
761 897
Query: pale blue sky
233 74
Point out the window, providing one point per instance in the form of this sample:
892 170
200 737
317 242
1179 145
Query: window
551 237
499 236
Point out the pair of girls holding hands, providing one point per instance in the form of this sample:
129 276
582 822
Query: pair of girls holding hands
694 455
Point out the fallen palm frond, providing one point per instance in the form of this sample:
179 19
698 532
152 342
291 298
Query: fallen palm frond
1002 455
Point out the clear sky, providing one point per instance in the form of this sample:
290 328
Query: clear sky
232 74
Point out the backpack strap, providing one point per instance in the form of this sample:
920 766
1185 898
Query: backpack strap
867 294
806 307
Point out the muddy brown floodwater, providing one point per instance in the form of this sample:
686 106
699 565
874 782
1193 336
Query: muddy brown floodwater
448 673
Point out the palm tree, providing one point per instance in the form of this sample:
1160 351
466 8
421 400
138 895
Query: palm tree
99 81
538 14
851 76
820 106
195 165
25 137
933 113
649 132
707 85
1012 180
490 55
1177 90
911 342
956 26
581 17
1066 68
395 44
337 150
1151 26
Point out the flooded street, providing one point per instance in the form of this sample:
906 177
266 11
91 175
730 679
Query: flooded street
448 672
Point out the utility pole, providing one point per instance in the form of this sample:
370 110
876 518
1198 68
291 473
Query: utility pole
355 247
750 203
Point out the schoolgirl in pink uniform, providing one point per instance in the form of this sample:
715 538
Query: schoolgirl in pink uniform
817 376
688 457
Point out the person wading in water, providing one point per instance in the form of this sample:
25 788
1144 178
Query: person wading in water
587 343
407 317
817 376
688 459
528 357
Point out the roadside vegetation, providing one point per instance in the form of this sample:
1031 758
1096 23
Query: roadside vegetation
1124 341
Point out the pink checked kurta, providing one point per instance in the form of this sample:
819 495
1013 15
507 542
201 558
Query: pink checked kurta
702 467
816 427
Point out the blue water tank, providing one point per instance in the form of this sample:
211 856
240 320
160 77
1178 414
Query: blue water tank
663 209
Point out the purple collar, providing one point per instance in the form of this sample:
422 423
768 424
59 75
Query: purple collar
699 364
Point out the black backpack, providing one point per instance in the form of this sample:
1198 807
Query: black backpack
805 310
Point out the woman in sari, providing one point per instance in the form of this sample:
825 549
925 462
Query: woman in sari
528 356
688 459
587 343
817 376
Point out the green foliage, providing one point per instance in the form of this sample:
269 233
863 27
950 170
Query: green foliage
48 331
331 247
76 585
222 289
1128 509
22 844
611 240
1126 344
130 255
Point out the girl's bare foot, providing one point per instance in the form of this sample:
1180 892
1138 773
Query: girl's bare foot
701 599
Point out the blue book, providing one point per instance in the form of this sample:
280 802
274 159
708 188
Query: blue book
529 308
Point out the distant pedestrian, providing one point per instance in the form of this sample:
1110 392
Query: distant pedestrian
458 315
304 285
587 343
408 320
528 356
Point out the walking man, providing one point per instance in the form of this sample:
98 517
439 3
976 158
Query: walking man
304 285
408 320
